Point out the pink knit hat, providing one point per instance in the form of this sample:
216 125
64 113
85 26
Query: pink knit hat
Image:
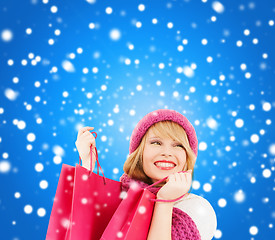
163 115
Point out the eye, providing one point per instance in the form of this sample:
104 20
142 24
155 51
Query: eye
155 142
179 145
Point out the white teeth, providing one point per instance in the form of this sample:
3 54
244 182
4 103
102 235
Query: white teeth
163 164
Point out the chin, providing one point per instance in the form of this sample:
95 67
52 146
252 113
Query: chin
159 177
163 174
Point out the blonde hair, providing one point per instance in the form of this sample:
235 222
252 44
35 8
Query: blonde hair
133 166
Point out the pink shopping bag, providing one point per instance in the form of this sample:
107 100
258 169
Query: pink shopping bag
132 219
84 204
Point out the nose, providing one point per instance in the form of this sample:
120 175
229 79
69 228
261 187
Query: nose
166 155
166 151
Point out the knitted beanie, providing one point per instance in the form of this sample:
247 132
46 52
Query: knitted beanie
163 115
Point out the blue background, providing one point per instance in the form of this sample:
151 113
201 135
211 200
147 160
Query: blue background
239 169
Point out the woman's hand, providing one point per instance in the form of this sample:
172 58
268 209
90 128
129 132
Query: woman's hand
84 141
177 184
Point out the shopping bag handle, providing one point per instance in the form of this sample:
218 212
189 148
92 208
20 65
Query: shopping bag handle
98 165
162 200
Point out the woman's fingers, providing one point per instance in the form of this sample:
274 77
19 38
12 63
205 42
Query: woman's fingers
177 184
83 130
172 178
88 133
180 177
176 177
84 139
186 175
88 137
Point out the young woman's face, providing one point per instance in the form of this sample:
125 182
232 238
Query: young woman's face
162 157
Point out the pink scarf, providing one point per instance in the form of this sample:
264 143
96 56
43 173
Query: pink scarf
183 227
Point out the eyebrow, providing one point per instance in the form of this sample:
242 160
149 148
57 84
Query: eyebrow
155 137
151 138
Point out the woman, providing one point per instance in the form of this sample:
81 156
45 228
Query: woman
163 143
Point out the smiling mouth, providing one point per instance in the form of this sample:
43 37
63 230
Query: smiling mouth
165 165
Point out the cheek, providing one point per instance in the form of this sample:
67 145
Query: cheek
183 159
145 157
148 152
